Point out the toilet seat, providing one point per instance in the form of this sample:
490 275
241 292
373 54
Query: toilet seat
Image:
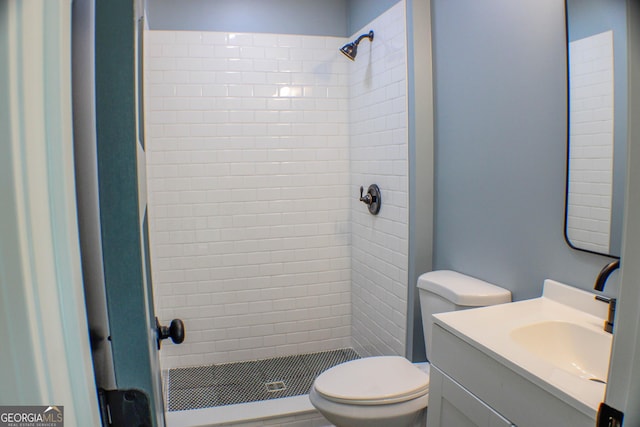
373 381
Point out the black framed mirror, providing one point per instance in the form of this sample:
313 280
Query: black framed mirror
597 137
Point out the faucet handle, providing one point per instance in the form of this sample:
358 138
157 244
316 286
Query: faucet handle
372 198
608 324
366 199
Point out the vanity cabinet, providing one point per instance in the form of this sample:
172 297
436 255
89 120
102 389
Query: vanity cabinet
451 405
471 386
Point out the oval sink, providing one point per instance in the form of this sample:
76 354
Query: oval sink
568 346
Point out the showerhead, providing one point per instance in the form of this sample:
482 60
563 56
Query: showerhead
350 50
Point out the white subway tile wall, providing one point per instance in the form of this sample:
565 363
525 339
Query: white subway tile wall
249 195
591 136
379 154
258 241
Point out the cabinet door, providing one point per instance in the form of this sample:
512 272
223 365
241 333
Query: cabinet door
451 405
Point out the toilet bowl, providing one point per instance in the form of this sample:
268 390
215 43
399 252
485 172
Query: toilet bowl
372 392
385 391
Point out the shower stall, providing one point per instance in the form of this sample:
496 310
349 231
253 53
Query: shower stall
257 146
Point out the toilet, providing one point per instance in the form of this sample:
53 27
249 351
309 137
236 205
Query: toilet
385 391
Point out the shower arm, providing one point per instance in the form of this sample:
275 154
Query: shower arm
359 39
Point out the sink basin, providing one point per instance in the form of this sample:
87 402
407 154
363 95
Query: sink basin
568 346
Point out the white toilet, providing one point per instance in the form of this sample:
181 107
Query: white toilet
389 390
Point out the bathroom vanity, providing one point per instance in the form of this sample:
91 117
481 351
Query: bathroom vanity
539 362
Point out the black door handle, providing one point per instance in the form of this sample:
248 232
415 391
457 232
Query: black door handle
175 331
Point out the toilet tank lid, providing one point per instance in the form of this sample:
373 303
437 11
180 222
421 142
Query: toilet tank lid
463 290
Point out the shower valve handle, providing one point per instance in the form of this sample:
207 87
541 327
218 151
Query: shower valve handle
175 331
368 199
372 199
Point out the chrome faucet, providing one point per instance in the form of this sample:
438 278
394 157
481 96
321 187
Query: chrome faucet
599 286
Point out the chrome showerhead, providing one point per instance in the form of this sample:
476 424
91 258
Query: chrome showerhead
350 50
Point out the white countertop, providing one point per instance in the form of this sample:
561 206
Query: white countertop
490 330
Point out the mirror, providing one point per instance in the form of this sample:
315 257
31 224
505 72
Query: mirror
597 144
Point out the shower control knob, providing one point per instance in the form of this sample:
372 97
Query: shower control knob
175 331
366 199
372 199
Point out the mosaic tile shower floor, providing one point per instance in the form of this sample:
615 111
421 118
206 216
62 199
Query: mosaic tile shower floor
241 382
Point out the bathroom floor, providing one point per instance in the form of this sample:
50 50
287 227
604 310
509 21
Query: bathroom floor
241 382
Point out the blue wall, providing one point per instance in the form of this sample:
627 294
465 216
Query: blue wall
361 12
500 88
311 17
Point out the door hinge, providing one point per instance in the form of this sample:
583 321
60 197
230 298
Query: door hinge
608 416
124 408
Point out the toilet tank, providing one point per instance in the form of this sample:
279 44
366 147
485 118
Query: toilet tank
445 290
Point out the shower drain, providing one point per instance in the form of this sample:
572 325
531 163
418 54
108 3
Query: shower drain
274 386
